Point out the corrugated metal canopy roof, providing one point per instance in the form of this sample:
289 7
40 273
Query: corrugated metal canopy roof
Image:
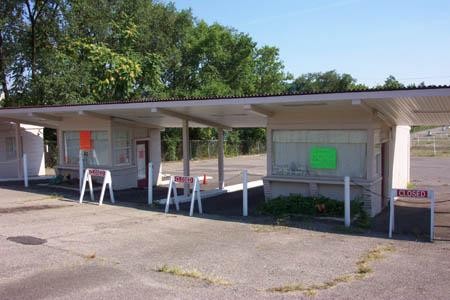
411 106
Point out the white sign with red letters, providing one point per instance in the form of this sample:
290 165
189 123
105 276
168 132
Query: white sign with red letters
195 192
412 193
415 194
183 179
88 174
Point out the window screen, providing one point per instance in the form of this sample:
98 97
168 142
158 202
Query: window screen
292 150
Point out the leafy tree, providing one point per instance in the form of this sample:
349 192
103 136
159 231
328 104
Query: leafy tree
269 71
330 81
392 83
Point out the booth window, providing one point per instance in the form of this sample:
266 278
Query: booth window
122 146
10 152
97 156
293 151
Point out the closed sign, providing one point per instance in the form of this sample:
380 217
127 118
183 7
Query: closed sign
412 193
97 172
184 179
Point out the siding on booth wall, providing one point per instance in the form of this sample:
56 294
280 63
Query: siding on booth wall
33 146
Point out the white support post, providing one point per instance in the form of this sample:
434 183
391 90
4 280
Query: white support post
391 213
433 200
220 158
19 150
25 170
244 193
150 184
434 145
80 174
186 155
347 200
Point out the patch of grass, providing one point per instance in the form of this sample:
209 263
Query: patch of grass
291 288
378 253
268 228
362 270
179 271
410 185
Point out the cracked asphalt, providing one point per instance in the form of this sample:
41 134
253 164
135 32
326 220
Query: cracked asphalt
113 252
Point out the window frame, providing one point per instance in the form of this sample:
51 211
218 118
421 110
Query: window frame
107 157
306 133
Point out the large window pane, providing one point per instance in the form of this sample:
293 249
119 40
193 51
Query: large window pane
71 147
97 156
122 146
292 150
8 149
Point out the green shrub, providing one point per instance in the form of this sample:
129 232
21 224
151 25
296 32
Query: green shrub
314 206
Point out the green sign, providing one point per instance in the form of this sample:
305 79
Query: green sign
323 158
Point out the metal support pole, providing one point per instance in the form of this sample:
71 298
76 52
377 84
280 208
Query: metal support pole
81 173
220 158
347 200
25 170
186 155
432 216
244 193
391 213
150 184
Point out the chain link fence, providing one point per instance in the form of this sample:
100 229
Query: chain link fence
432 145
207 149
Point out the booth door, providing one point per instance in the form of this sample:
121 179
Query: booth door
142 163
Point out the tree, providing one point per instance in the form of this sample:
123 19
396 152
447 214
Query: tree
330 81
392 83
36 10
269 71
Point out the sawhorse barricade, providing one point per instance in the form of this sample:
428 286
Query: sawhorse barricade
195 193
417 194
106 174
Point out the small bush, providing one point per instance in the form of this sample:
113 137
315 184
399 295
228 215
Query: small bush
313 206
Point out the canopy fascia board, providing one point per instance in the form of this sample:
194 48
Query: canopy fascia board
187 117
45 116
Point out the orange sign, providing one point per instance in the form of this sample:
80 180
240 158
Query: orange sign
85 140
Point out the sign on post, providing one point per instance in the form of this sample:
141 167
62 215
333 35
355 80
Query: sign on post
417 194
195 193
106 174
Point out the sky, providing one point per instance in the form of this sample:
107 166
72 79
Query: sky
369 39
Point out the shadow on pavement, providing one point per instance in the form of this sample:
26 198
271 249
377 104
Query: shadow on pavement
411 223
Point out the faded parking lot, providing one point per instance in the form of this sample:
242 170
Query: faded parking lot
116 251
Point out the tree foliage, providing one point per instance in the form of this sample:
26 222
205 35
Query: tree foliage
88 51
330 81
